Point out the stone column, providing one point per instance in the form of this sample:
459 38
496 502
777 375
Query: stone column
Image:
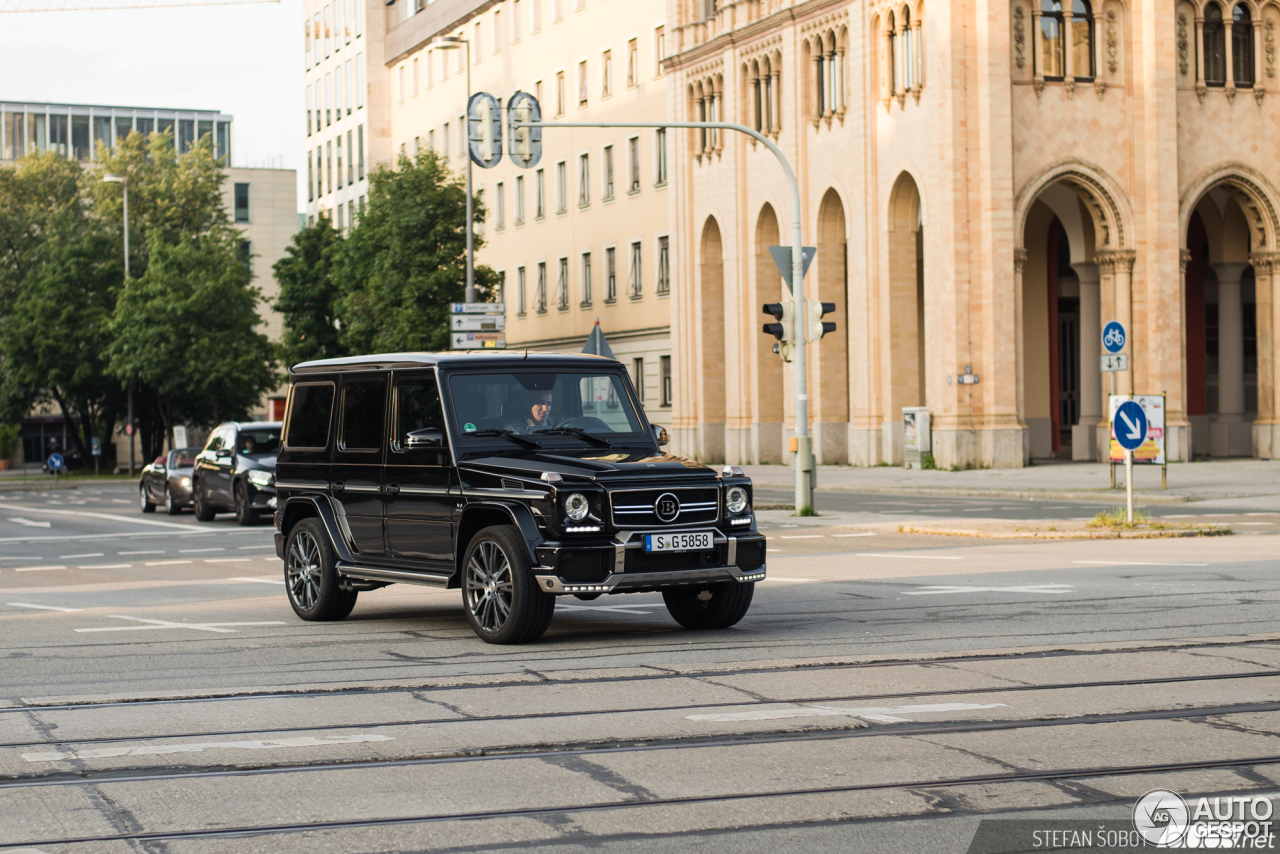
1020 261
1037 62
1200 84
1230 434
1084 435
1119 263
1266 427
1230 88
1069 60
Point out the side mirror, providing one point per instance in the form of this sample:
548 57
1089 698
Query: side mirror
427 437
224 453
659 435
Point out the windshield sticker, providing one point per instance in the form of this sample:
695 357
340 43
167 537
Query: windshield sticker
469 427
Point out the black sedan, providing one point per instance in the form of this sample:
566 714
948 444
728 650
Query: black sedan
236 471
167 482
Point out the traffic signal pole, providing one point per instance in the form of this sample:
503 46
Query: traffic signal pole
804 463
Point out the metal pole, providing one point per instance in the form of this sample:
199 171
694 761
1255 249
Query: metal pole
1128 483
804 456
466 152
1111 429
130 431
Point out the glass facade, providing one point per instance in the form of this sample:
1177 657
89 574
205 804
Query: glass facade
74 130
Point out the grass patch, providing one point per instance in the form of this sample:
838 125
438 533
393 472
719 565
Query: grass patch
1117 518
807 511
928 463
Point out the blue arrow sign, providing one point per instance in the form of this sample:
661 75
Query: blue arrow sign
55 462
1113 337
1130 425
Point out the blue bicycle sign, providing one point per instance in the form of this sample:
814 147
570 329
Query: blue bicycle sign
1113 337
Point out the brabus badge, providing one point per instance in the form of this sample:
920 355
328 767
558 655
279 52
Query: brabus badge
666 507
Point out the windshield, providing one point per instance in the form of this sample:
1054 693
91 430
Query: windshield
543 403
184 458
258 441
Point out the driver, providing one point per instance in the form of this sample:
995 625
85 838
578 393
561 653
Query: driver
537 412
250 445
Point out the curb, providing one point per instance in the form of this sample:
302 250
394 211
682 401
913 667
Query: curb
1102 496
1219 531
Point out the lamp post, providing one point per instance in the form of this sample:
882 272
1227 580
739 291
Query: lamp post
112 178
456 43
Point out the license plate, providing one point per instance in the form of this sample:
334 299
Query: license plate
690 541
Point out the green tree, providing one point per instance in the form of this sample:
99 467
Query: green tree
405 261
187 329
308 295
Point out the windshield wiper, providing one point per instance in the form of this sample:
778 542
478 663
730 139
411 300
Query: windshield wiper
510 434
598 441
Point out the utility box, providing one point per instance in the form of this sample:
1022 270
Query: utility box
916 436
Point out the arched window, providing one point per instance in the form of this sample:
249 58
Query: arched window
757 102
1215 47
1082 40
908 56
1242 46
893 54
1052 61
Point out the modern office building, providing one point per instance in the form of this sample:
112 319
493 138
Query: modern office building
74 130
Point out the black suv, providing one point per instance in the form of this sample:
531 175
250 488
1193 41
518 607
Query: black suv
237 471
514 478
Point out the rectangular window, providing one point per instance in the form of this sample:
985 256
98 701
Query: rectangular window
497 30
415 77
346 21
355 12
562 187
364 405
610 274
462 136
417 407
500 199
540 202
403 72
327 31
633 149
659 50
515 21
608 172
340 213
606 74
311 188
562 285
663 285
519 199
310 411
637 376
660 155
242 202
479 43
338 146
582 83
520 294
244 254
502 286
337 93
306 56
584 181
359 80
635 282
360 155
586 278
664 370
537 15
328 99
308 111
316 36
319 171
351 160
557 10
445 136
540 297
431 140
560 93
328 166
633 63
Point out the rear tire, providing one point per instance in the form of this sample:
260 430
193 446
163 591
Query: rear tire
311 575
200 502
502 603
245 514
144 500
716 606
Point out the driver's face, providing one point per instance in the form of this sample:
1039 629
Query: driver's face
541 406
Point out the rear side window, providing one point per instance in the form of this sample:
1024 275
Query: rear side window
309 415
363 408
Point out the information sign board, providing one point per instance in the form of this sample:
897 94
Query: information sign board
477 322
1152 449
479 340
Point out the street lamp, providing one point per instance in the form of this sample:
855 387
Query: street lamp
112 178
456 43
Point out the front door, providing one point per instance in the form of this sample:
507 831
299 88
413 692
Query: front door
355 478
218 475
416 480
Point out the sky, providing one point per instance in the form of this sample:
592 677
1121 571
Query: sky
243 59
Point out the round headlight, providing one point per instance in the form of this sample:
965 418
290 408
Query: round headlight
576 507
736 499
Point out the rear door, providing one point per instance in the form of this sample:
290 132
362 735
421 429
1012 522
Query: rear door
355 478
416 480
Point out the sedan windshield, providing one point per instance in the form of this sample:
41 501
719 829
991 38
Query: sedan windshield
570 404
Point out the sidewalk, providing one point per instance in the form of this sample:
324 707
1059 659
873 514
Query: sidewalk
1224 483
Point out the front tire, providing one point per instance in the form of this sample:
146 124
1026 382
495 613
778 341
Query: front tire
716 606
245 514
170 505
144 500
503 604
200 503
311 575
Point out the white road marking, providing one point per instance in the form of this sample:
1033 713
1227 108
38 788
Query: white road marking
907 555
107 566
193 551
621 609
133 520
882 714
243 548
73 557
1254 523
228 559
1262 514
23 557
1029 588
18 520
166 562
166 624
280 581
1134 563
862 534
38 607
802 537
148 552
35 568
200 747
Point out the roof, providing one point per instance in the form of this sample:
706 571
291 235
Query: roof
486 359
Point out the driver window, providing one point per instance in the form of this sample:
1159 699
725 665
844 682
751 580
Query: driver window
417 406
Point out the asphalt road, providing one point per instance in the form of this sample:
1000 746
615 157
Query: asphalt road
886 693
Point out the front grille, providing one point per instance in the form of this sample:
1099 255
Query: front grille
639 561
585 567
750 554
633 508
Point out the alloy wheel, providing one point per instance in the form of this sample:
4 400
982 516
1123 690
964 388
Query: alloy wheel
168 500
303 570
489 586
142 497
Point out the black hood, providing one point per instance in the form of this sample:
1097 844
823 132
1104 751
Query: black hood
600 464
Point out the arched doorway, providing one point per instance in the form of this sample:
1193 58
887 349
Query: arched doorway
830 358
766 383
904 381
711 345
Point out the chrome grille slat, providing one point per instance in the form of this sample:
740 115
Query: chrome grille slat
699 505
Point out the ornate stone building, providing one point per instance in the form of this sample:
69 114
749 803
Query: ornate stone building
987 183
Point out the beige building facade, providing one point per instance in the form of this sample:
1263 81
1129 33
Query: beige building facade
582 236
987 183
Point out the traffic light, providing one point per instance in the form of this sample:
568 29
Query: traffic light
525 143
784 329
817 326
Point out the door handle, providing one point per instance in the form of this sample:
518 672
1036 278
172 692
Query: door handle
336 487
391 488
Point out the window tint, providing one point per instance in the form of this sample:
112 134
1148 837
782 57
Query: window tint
417 406
261 441
309 415
364 405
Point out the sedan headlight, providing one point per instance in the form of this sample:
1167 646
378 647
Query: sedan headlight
261 478
736 499
576 507
185 482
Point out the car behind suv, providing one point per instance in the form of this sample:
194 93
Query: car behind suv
514 478
236 471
